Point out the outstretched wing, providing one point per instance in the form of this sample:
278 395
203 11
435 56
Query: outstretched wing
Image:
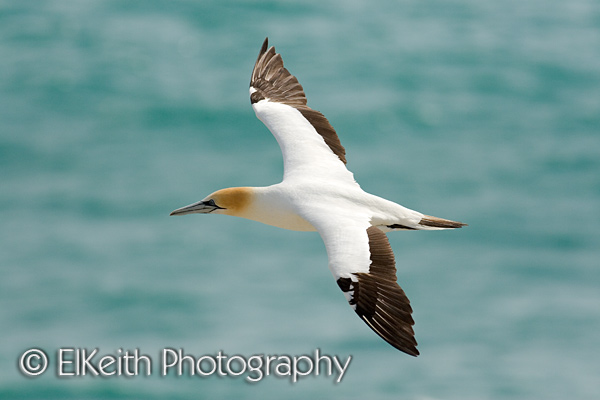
363 264
309 144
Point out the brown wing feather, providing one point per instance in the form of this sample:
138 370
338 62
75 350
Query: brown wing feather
379 301
273 81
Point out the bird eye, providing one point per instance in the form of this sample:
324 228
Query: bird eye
211 203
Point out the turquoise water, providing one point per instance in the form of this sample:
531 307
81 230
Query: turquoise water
114 113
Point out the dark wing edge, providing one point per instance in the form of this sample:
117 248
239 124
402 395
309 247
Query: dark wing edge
378 298
271 80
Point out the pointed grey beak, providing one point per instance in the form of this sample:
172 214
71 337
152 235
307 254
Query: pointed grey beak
201 207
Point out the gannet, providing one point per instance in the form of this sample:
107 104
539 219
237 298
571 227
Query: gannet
318 193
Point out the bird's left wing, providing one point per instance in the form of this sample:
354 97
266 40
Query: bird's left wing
363 264
309 144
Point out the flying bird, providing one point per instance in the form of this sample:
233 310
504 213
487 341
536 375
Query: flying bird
318 193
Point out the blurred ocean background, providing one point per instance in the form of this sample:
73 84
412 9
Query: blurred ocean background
114 113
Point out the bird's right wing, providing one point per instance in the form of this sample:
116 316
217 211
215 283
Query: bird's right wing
310 146
363 264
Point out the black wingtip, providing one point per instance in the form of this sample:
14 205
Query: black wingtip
264 47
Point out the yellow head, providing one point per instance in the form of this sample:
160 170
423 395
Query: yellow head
230 201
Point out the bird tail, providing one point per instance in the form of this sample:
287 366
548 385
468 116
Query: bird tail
429 222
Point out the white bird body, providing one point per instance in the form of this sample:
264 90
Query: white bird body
293 205
318 193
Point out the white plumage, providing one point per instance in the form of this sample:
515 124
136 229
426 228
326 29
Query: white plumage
319 193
